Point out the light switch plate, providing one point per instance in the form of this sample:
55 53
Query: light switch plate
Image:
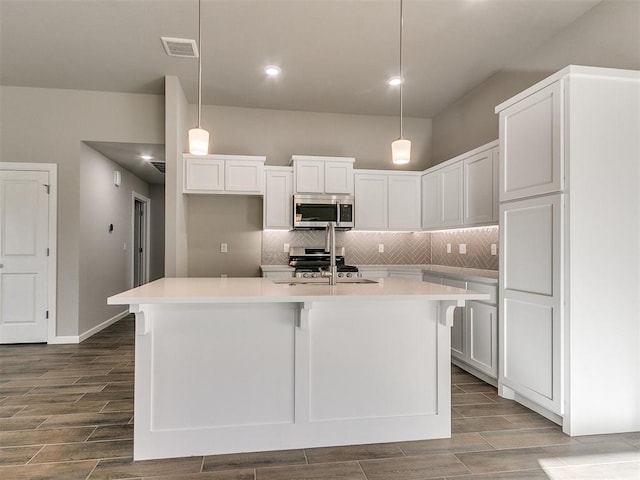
285 248
462 249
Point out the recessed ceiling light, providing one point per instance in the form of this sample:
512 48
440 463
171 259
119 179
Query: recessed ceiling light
394 81
272 70
146 157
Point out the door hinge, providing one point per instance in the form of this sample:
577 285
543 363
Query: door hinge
47 315
48 187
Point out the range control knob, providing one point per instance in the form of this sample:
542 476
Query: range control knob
340 275
349 274
306 275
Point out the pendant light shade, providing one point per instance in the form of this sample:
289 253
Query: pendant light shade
401 151
401 148
198 137
198 141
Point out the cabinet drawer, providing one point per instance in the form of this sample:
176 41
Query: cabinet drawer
484 288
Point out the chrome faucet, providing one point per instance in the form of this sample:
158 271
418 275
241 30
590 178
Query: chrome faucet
330 247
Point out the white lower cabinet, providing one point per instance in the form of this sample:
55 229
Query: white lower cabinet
482 336
474 334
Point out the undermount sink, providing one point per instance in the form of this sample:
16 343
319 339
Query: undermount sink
321 281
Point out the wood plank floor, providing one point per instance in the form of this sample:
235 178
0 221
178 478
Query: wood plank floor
66 412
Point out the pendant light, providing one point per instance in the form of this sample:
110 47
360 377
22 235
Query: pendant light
198 137
401 148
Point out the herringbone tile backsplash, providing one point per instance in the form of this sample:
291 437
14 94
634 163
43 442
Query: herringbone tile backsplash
361 248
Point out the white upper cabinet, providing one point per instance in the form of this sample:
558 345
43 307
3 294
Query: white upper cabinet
430 201
203 174
480 188
451 183
531 133
278 198
224 174
463 191
387 201
404 202
371 201
314 174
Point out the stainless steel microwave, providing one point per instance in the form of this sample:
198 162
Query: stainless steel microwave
316 211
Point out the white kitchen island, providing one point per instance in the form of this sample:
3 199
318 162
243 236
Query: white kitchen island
245 364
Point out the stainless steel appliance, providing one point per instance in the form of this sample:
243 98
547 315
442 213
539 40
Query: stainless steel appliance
310 262
315 211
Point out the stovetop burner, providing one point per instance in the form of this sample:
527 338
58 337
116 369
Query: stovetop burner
309 262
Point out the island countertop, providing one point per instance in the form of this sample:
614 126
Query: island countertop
264 290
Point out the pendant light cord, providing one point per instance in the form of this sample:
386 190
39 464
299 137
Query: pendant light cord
401 75
199 61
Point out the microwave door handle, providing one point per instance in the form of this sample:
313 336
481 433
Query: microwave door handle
337 214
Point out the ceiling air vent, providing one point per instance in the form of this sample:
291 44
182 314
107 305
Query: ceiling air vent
180 47
160 166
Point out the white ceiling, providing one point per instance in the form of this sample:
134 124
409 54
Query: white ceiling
336 55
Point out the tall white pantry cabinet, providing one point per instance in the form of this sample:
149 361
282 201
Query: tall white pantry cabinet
570 249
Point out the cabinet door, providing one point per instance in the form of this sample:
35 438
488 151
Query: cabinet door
338 177
459 330
278 199
309 176
203 175
371 200
431 200
482 337
479 197
243 176
404 202
531 296
531 146
451 195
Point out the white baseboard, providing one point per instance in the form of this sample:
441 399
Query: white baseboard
90 332
60 339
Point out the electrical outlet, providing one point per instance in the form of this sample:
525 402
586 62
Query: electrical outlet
448 248
494 249
285 248
223 248
381 248
462 249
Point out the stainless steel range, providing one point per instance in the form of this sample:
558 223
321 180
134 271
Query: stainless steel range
310 262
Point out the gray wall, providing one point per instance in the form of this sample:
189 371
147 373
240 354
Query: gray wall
49 125
279 134
105 265
606 36
235 220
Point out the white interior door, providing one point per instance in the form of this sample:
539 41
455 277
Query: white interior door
24 210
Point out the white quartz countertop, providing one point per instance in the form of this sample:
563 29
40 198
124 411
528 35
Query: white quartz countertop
261 290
